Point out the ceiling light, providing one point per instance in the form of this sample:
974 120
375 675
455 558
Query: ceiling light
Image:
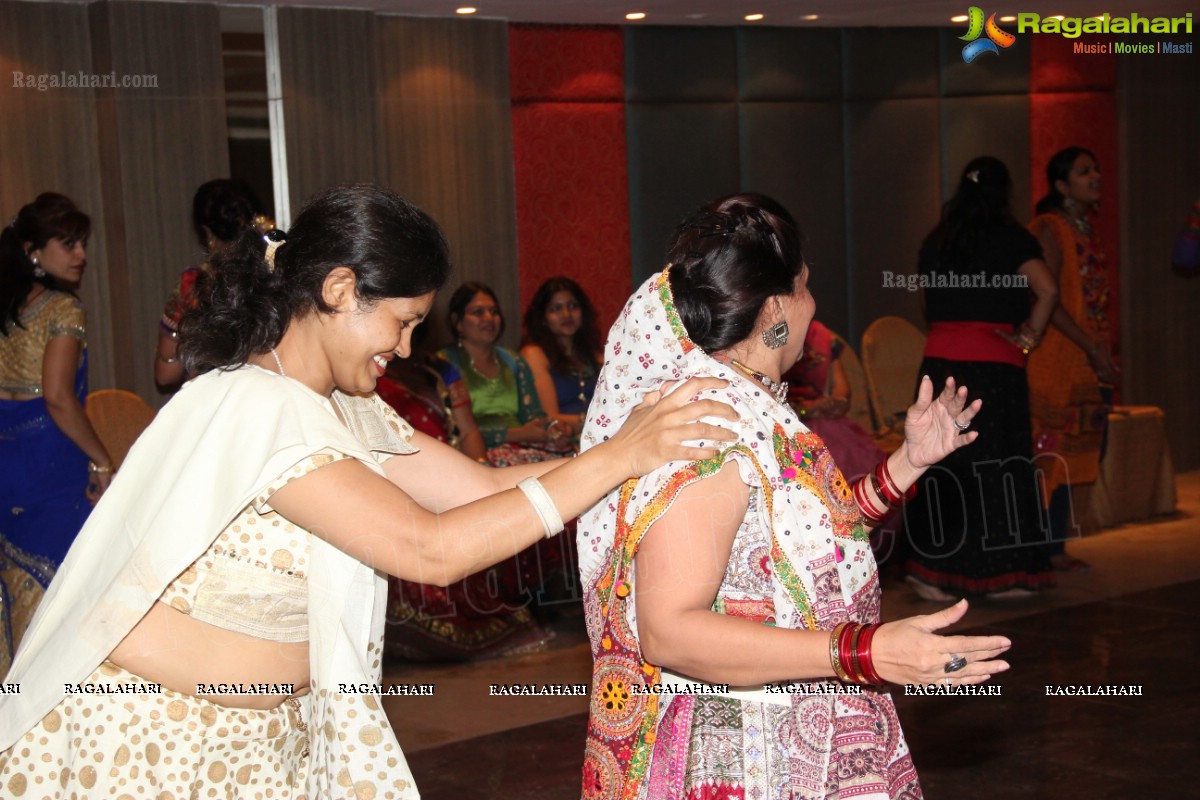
1058 17
635 15
753 17
465 10
959 18
811 17
1008 19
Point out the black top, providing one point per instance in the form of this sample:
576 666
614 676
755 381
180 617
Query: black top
994 296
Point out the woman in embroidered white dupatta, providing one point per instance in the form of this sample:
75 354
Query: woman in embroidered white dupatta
280 437
734 571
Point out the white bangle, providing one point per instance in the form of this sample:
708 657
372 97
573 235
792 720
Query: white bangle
539 498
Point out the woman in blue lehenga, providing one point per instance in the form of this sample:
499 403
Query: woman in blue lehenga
54 463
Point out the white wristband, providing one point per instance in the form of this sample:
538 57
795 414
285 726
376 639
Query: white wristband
539 498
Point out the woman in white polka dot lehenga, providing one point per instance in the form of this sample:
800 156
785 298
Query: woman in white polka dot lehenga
193 642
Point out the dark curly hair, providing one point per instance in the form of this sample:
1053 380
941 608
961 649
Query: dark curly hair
225 207
585 344
394 248
726 260
49 216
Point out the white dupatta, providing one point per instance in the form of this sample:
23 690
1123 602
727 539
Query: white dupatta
215 447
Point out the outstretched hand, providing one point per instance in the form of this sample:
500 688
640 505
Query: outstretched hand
929 426
655 432
910 650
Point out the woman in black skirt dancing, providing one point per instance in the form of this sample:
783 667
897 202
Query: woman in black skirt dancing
976 525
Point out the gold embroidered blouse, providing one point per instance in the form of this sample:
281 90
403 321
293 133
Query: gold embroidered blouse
21 352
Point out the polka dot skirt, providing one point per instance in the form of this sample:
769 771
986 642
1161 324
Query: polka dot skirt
156 746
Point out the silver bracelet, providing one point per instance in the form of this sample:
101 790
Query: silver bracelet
539 498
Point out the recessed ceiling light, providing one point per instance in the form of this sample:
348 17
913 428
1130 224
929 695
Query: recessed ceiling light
1008 19
959 18
635 15
1058 17
753 17
811 17
465 10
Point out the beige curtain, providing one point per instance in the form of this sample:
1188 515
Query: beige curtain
157 144
48 141
327 64
447 144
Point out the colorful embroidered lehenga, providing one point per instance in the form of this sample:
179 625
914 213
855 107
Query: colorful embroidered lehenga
801 560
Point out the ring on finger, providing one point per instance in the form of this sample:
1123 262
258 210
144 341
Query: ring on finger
954 664
948 683
961 426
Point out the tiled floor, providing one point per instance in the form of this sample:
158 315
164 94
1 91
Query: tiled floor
1129 621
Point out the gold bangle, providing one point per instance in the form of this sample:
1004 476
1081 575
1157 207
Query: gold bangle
96 469
834 658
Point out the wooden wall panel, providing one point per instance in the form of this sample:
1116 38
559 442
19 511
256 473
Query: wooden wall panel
157 144
893 201
446 124
792 151
1159 117
328 70
48 143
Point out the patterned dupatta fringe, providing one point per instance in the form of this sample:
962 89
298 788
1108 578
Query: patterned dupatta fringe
806 507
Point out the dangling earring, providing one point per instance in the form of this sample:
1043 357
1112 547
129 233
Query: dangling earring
38 272
776 336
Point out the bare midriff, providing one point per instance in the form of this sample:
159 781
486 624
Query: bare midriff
170 648
16 396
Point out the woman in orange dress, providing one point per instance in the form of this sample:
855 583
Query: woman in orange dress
1072 374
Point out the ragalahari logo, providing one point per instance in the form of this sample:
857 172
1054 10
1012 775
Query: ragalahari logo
976 27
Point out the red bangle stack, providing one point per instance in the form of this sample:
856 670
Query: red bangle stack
864 505
888 486
850 653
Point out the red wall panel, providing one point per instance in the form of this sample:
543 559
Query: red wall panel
1073 102
569 152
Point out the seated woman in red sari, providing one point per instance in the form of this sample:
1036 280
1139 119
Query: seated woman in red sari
486 614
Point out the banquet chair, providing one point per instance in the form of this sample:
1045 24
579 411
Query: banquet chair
860 399
891 355
119 417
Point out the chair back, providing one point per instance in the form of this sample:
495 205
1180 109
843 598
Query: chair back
119 417
891 357
860 399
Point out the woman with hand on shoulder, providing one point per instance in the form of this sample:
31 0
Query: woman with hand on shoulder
753 568
1072 373
53 461
563 350
503 398
231 581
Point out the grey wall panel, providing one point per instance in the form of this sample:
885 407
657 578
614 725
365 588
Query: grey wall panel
793 152
680 64
789 64
890 62
680 156
446 121
994 126
892 201
329 100
1004 73
1159 116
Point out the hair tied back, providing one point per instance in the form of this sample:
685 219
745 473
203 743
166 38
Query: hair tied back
275 239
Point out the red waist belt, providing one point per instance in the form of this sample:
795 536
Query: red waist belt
972 341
